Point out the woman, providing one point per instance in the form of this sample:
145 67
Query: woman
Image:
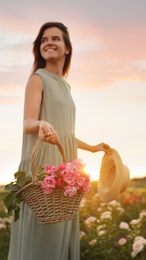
49 111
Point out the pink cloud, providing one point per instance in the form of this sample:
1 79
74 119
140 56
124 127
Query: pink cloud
6 101
108 42
126 43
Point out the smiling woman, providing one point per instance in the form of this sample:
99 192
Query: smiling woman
108 86
49 113
52 36
53 46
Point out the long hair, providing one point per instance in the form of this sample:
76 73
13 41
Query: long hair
39 62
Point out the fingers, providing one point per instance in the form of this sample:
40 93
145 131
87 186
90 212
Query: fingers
45 129
48 133
52 138
106 148
51 131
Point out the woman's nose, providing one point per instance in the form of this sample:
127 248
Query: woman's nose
50 42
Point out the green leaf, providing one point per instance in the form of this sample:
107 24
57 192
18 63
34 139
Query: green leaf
41 175
16 213
40 169
9 199
18 174
12 187
23 178
12 207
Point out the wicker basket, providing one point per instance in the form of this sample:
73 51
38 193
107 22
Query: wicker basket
48 208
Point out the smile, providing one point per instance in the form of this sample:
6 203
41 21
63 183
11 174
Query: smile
49 49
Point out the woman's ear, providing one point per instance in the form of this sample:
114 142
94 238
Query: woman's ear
67 51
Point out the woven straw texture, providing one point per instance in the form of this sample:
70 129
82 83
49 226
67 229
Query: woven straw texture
50 208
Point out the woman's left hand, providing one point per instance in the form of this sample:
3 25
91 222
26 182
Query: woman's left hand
102 147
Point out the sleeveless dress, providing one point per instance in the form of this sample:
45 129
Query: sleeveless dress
59 241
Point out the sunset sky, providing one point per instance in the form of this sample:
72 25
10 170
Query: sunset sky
107 76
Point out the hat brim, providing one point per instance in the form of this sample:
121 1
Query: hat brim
114 176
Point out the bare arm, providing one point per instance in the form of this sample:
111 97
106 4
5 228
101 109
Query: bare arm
93 148
33 98
32 106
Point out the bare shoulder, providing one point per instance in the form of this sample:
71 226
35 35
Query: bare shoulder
34 83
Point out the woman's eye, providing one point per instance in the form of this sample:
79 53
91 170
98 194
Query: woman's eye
43 40
56 38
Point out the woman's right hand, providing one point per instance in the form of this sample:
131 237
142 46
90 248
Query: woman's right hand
48 132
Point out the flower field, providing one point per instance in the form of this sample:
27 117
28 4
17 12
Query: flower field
116 230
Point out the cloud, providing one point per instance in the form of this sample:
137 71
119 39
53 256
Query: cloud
15 63
91 69
5 100
109 40
138 99
109 54
17 51
13 81
101 13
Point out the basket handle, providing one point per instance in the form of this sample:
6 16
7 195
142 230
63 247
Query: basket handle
34 154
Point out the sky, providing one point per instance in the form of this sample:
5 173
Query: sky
107 76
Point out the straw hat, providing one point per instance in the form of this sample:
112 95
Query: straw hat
114 176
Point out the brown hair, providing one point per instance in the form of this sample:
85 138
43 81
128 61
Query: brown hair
39 62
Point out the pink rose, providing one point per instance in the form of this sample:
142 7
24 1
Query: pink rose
92 242
87 177
101 232
140 239
134 253
106 215
86 186
75 167
82 234
90 220
59 182
70 168
80 181
70 174
78 163
122 241
69 178
62 167
50 169
138 246
70 191
48 182
124 225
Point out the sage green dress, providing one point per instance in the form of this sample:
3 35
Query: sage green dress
30 240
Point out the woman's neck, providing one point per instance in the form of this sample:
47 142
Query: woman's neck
55 69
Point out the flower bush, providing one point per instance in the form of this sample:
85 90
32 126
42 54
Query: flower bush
108 233
116 230
5 228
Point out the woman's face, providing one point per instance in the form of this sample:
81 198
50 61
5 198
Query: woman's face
52 46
